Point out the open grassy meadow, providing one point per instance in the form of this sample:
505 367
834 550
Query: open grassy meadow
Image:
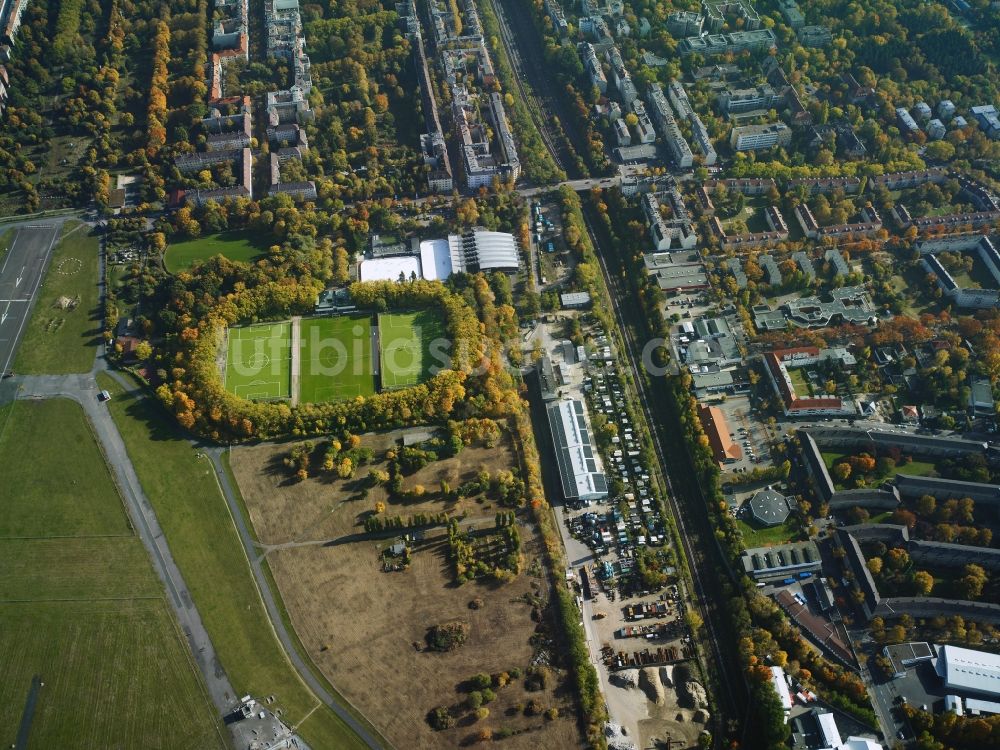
336 358
206 547
365 628
405 341
58 482
81 608
59 340
239 246
755 536
258 361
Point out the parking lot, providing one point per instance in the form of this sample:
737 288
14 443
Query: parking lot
921 687
748 431
551 262
603 537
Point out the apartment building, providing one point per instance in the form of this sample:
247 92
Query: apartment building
734 101
621 77
644 126
595 71
757 137
679 149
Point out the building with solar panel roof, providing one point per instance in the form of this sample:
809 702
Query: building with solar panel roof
580 471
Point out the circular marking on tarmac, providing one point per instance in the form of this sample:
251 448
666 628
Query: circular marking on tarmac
69 266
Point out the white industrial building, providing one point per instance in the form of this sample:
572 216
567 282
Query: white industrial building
780 683
436 260
830 738
393 268
969 671
580 471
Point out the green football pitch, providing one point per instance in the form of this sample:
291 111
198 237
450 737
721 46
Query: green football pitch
336 358
240 246
258 361
404 347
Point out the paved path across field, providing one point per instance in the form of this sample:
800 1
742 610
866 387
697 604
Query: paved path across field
83 389
255 560
296 357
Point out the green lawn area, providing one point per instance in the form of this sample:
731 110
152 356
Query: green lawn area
336 359
405 347
80 605
60 341
206 547
55 478
830 458
239 246
756 221
799 381
916 468
978 278
760 537
258 361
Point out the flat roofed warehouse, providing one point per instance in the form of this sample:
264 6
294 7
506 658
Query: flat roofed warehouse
580 471
967 670
781 560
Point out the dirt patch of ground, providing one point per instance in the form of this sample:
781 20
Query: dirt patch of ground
321 507
365 628
662 709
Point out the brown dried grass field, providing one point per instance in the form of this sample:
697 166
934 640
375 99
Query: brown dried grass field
365 628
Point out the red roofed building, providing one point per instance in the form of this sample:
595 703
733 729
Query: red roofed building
717 430
802 406
128 345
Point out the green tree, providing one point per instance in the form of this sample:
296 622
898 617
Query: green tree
923 582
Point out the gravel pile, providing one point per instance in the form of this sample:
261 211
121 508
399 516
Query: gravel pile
616 736
649 681
667 676
694 693
626 678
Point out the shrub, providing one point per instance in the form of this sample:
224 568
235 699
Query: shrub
475 700
488 695
534 708
552 714
448 636
440 719
538 678
482 713
481 681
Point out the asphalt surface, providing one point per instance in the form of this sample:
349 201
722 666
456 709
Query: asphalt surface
22 269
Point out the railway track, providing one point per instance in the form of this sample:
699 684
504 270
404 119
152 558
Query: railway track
708 612
513 54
